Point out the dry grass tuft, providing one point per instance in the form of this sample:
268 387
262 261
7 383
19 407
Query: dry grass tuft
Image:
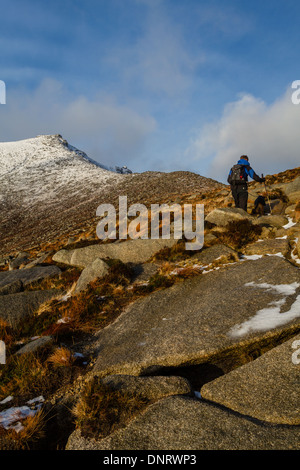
62 357
174 253
187 272
102 410
240 233
64 281
6 334
23 376
33 430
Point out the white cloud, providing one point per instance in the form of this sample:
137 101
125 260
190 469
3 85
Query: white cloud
159 59
109 132
268 134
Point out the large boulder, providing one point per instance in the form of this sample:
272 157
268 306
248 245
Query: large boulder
134 251
291 187
294 197
221 217
268 247
97 269
192 321
265 389
188 424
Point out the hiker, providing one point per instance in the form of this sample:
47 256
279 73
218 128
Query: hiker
238 178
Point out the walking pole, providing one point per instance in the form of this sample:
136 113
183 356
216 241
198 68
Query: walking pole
267 195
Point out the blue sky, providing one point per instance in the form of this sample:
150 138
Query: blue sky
155 84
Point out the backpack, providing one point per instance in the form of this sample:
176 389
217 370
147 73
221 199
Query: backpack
237 175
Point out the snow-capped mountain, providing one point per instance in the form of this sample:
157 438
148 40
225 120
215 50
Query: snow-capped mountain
36 169
45 179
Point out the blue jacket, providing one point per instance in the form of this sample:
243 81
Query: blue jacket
248 171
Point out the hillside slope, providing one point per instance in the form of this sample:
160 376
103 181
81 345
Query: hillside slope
49 188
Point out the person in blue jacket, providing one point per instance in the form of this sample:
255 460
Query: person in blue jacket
238 180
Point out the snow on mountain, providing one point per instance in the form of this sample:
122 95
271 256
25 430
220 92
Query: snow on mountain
37 168
47 183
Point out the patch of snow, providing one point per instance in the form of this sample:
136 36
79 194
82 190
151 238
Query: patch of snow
17 427
65 297
10 418
295 257
63 320
268 318
271 316
285 289
251 257
77 354
195 267
39 399
276 254
289 224
6 400
255 257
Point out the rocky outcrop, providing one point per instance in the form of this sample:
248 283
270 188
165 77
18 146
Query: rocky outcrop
270 379
209 363
134 251
292 190
191 322
221 217
188 424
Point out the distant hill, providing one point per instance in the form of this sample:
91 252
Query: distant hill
43 182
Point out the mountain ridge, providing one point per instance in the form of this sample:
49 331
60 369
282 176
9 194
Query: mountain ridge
48 188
